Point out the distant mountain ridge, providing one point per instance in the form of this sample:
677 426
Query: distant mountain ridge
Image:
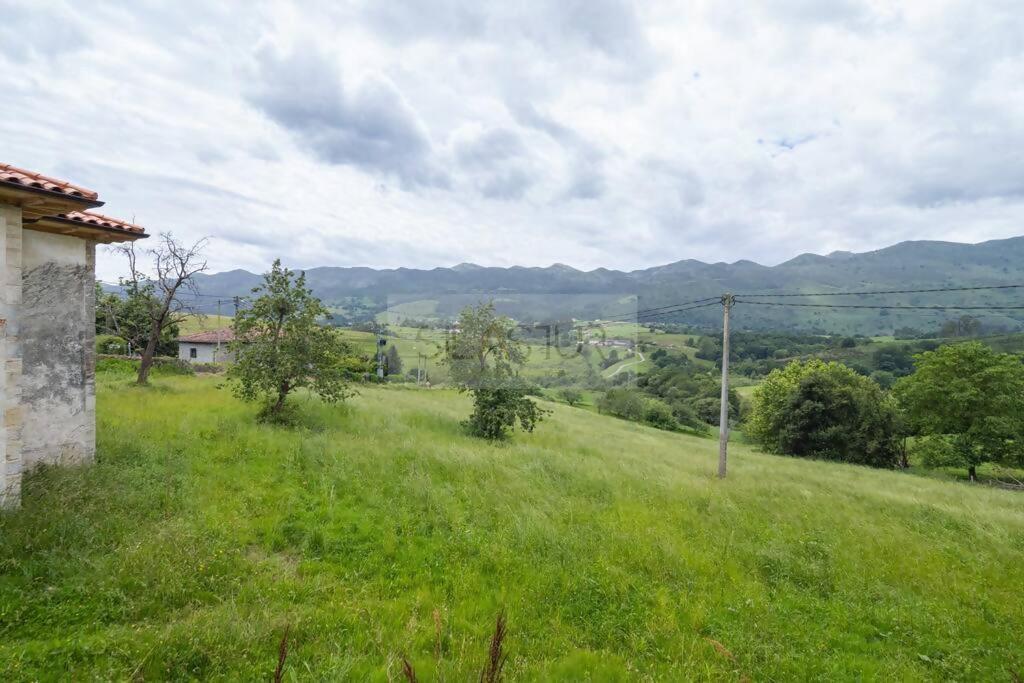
537 293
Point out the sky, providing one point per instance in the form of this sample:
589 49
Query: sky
594 133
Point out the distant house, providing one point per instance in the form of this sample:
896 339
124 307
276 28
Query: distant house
48 244
206 347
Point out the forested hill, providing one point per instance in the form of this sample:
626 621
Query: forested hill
562 291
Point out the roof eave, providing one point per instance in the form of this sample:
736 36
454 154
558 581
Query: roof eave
98 233
36 202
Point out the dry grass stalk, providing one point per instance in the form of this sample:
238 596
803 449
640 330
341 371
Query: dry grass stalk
282 655
496 658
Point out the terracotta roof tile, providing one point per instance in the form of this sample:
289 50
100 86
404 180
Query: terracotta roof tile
209 337
103 221
19 176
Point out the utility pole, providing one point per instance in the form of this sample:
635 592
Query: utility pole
723 416
216 355
381 341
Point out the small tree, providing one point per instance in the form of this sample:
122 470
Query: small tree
825 410
484 359
155 294
394 363
572 396
279 346
967 402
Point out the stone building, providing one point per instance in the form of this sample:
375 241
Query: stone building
206 347
48 244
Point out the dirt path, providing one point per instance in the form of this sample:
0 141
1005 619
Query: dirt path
627 365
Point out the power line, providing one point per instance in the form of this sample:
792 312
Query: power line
889 291
627 316
876 306
222 297
680 310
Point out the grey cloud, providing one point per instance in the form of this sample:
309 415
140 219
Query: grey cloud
29 31
608 27
508 184
496 144
370 127
686 184
498 162
586 179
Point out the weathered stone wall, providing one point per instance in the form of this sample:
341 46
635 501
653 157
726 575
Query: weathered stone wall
57 335
10 356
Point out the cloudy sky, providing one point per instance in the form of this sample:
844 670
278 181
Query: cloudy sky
587 132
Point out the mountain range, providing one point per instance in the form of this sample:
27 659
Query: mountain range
559 291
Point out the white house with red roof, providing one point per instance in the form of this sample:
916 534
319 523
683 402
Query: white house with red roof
206 347
48 238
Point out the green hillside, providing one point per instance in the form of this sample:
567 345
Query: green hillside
198 537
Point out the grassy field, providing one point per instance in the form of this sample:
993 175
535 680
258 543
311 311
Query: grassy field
199 536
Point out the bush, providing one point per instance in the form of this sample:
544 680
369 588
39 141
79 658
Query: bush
111 344
633 405
825 410
123 365
497 409
571 396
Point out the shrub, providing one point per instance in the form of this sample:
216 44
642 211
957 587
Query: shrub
825 410
571 396
123 365
111 344
630 404
496 410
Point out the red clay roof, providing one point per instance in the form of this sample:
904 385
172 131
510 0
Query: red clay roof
102 221
210 337
19 176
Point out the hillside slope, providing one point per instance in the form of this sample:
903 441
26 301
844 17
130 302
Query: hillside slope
560 291
198 537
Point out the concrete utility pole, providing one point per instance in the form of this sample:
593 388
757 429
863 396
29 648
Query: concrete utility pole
723 416
216 355
381 341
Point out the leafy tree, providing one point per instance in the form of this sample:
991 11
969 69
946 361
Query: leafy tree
394 363
968 401
484 358
280 346
825 410
572 396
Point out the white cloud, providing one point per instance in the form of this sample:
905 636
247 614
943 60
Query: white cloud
603 133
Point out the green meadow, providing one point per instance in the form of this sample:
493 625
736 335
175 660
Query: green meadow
378 530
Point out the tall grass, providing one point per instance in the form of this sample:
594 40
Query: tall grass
199 535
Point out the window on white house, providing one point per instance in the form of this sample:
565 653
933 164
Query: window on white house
192 352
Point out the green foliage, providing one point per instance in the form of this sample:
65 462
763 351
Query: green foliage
497 408
693 393
483 352
825 410
484 358
111 345
280 346
971 398
571 395
163 366
394 361
129 318
631 404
